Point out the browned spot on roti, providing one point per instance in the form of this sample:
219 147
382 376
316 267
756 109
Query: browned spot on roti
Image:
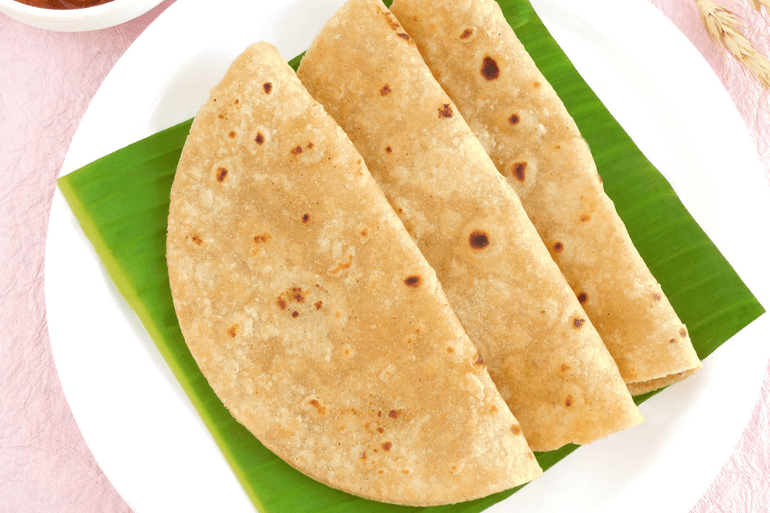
385 90
305 218
260 138
221 116
578 322
514 119
295 314
478 239
520 171
466 33
296 150
342 266
584 218
656 297
682 332
381 429
568 402
536 84
558 247
479 360
262 238
320 408
564 367
388 149
298 297
413 281
221 174
386 446
364 233
318 305
267 86
672 341
233 330
445 111
582 297
232 134
393 414
197 240
282 303
450 349
516 430
404 35
489 69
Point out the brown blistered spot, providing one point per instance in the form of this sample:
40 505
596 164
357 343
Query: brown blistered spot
479 360
489 69
672 341
221 116
388 150
232 134
478 239
582 297
584 218
564 367
536 84
656 297
267 86
305 218
299 298
260 138
413 281
237 101
578 322
404 36
520 171
310 146
568 402
393 414
197 240
386 446
379 414
385 90
450 349
682 332
221 174
405 471
318 305
380 471
445 111
320 408
295 314
557 147
516 430
466 33
262 238
341 267
391 22
297 150
233 331
514 119
282 303
558 247
364 233
381 430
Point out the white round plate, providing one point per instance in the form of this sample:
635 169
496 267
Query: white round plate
142 429
78 20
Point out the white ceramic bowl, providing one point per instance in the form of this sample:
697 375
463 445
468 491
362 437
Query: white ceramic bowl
77 20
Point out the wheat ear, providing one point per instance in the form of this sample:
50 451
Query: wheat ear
722 26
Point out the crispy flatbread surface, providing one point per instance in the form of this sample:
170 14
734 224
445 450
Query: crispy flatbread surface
542 351
312 313
536 145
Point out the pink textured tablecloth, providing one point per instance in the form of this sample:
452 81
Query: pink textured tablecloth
46 82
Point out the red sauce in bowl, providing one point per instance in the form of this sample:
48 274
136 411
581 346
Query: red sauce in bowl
63 4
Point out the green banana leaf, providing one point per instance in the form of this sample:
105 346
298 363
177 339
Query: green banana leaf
121 202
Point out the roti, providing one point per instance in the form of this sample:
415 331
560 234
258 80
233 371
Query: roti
543 352
313 315
536 145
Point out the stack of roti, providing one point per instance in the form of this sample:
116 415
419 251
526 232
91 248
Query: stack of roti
523 125
542 350
312 313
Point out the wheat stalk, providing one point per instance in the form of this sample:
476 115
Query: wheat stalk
759 3
722 27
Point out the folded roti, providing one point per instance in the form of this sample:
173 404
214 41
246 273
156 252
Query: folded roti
476 57
312 313
542 351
